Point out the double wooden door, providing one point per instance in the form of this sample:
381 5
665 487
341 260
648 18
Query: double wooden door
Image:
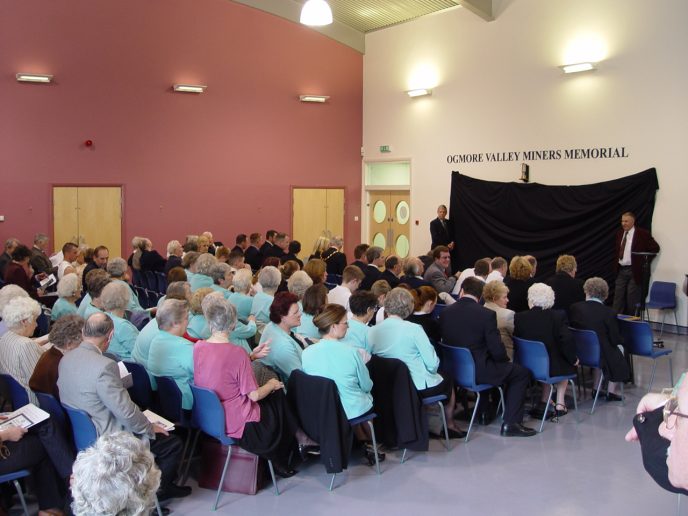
316 212
390 221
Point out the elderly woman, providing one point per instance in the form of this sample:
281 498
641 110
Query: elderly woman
19 272
362 305
424 302
495 294
68 291
380 288
519 281
198 327
241 332
65 335
285 346
241 298
170 354
117 269
298 283
269 278
223 277
115 299
201 278
96 280
20 353
317 270
258 418
203 243
189 263
592 314
174 255
288 268
83 257
397 338
117 475
548 326
313 300
7 294
138 244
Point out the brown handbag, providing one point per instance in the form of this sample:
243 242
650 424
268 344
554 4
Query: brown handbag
245 474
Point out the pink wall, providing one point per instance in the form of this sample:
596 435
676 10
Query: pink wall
223 161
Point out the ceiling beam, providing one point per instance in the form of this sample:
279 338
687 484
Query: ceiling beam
482 8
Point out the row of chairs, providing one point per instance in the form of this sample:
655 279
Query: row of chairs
147 298
149 280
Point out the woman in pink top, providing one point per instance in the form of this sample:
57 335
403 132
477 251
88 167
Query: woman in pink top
257 418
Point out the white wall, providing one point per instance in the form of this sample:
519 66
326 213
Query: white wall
496 87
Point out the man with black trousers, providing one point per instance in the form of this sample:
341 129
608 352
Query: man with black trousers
469 325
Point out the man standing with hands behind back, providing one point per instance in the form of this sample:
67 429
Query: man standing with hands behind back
441 229
630 239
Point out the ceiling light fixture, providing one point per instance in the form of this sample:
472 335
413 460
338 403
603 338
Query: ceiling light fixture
419 92
189 88
316 13
578 67
314 98
34 77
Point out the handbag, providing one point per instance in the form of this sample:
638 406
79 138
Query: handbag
246 473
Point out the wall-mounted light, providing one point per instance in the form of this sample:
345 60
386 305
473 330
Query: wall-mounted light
316 13
578 67
419 92
189 88
34 77
314 98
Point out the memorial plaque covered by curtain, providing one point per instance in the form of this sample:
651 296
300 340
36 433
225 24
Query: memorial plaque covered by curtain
508 219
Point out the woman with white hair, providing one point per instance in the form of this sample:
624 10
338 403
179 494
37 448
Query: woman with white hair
117 269
241 332
241 298
115 299
298 283
20 353
223 277
116 476
7 294
269 278
550 327
174 255
203 266
68 291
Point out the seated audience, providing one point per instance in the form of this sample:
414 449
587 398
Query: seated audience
241 243
334 257
90 381
321 245
438 274
170 354
82 259
287 269
201 277
279 247
567 288
7 294
360 259
190 244
499 268
68 292
6 257
197 327
293 250
96 280
380 289
101 254
236 260
117 269
480 270
115 299
592 314
258 418
362 305
117 476
19 272
317 270
241 298
65 335
372 272
413 270
351 281
269 278
203 243
252 254
174 255
396 338
392 271
533 263
298 283
40 262
189 263
175 274
424 301
313 300
495 294
519 281
69 253
223 277
222 254
550 327
151 259
137 245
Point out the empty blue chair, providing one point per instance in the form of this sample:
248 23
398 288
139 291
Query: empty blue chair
459 364
140 392
638 340
17 392
52 406
14 478
209 417
533 355
663 297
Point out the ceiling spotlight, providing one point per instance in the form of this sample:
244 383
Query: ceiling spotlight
419 92
578 67
316 13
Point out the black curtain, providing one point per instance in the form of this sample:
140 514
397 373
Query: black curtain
508 219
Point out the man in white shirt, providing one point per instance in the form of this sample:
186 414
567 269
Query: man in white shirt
499 268
351 280
481 269
69 254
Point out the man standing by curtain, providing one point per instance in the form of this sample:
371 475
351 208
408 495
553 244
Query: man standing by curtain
630 239
441 229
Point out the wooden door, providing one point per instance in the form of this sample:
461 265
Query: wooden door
400 224
316 212
390 217
380 213
65 216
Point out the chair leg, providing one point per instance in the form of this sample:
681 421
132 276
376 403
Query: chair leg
403 455
661 328
671 371
185 476
652 377
21 497
157 507
475 410
575 401
623 398
332 481
501 402
274 480
372 434
444 425
184 450
544 416
678 505
676 322
597 394
222 478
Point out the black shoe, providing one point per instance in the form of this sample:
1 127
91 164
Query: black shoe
283 471
370 454
306 450
516 430
173 491
613 397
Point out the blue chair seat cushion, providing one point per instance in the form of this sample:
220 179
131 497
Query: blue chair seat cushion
557 379
434 399
362 419
660 353
15 475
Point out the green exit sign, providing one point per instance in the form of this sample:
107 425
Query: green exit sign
385 148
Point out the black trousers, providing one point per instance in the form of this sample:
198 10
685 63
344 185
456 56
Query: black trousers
167 450
626 292
28 453
59 449
515 385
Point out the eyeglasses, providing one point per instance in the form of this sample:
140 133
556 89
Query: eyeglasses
671 406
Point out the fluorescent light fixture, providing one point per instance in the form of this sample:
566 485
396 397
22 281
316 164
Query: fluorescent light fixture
314 98
189 88
316 13
578 67
34 77
419 92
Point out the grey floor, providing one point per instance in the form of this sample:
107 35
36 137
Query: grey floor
572 468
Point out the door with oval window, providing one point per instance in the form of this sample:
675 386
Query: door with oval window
390 217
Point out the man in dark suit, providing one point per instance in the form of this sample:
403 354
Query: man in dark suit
413 273
372 270
441 229
629 267
334 257
252 255
360 259
269 243
241 242
467 324
567 288
392 271
279 247
39 259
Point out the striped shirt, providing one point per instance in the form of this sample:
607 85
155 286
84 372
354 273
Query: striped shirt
18 358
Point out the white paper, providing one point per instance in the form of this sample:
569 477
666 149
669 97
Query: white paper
158 420
48 281
25 417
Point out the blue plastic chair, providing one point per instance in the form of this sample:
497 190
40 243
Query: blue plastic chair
334 278
368 419
52 406
437 311
151 281
431 400
140 392
209 417
18 393
639 341
143 296
663 297
161 282
533 355
14 478
459 364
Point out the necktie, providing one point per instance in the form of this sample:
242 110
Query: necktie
623 245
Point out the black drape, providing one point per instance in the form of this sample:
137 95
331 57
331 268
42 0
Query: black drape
508 219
